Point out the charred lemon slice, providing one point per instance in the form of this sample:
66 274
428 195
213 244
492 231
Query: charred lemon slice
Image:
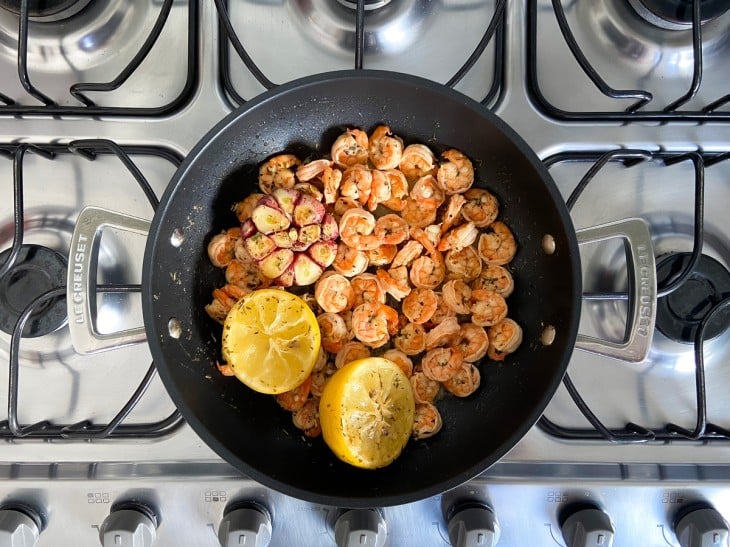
271 340
366 412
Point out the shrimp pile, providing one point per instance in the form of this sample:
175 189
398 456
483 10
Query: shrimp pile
418 276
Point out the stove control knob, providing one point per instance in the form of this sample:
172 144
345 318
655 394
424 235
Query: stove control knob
19 526
129 525
586 526
473 525
701 526
246 524
361 528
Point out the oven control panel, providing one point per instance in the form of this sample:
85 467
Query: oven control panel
483 513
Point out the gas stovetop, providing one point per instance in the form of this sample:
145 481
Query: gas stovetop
626 100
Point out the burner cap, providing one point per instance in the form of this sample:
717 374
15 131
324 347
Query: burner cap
679 314
47 10
37 270
677 14
369 4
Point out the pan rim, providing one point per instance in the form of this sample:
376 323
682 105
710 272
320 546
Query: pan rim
569 333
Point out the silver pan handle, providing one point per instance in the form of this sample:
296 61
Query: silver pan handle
643 296
82 280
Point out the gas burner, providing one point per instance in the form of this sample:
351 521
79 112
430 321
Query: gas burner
680 313
389 29
369 4
47 11
677 14
36 270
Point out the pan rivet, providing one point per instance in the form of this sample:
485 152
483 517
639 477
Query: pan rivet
548 244
548 335
174 328
177 237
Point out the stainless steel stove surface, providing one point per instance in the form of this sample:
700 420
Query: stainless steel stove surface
627 100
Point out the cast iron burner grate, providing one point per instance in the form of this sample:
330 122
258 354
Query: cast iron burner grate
680 313
49 10
495 29
35 271
42 303
642 98
672 281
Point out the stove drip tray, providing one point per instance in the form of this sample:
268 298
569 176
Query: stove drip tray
677 14
680 313
36 270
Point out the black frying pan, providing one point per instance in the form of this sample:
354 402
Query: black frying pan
248 429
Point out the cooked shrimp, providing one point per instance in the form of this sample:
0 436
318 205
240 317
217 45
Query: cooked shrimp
370 325
321 377
350 148
347 318
321 361
487 308
334 293
457 296
398 190
391 229
456 175
222 248
458 238
417 161
481 207
464 382
495 278
411 339
452 214
420 305
367 288
225 369
385 148
442 311
497 245
313 169
356 230
427 192
278 172
395 282
349 261
443 334
244 274
380 189
333 331
505 336
383 255
440 364
417 215
295 399
426 421
473 342
425 390
244 207
407 254
351 351
342 204
357 183
427 272
464 264
223 300
401 359
392 319
307 418
331 180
